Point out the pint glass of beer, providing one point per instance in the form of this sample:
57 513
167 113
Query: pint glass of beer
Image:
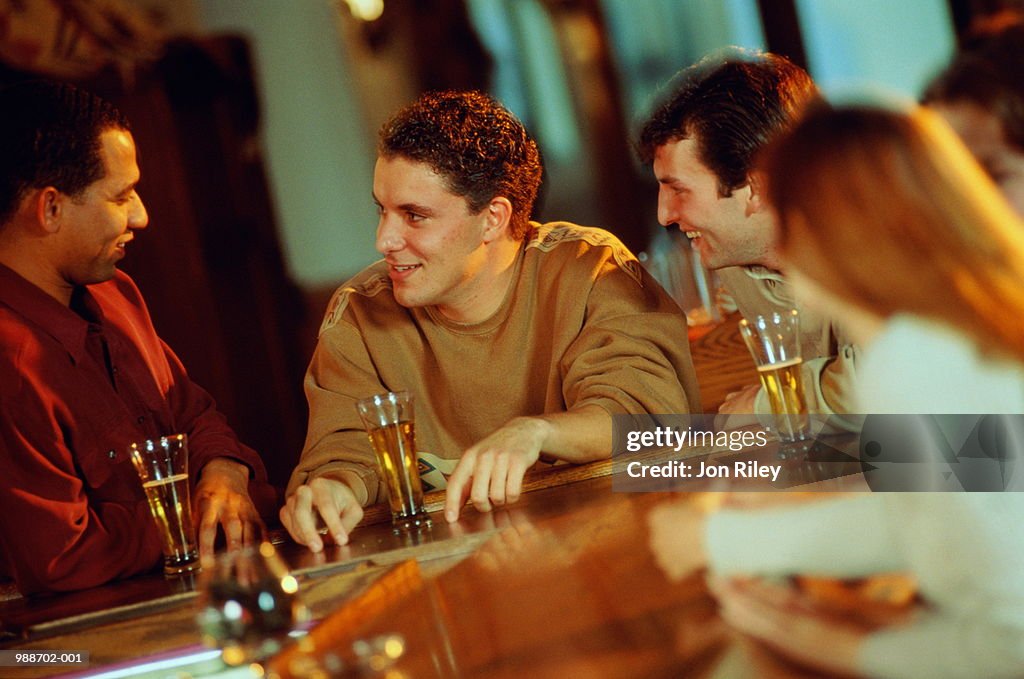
162 465
774 342
389 423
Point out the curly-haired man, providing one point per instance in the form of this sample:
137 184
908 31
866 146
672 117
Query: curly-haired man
515 338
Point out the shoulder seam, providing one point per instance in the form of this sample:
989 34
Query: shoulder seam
369 287
547 238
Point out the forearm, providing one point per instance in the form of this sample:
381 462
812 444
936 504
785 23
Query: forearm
581 435
938 645
210 440
340 457
205 451
845 537
228 467
336 446
831 386
354 479
54 553
71 522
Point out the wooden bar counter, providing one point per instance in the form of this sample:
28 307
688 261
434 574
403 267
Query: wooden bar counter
567 588
561 584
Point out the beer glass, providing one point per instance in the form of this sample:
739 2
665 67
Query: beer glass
162 465
248 604
774 342
389 423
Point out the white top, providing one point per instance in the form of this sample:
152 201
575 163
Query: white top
917 366
965 549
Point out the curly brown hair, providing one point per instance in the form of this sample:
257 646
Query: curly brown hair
480 149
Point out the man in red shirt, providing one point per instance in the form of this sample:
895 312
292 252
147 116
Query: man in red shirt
82 370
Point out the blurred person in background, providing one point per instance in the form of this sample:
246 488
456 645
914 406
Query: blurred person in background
981 94
887 220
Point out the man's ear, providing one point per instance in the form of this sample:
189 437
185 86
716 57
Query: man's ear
757 202
47 208
498 218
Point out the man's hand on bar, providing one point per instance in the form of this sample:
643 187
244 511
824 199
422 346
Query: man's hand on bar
491 472
740 402
222 498
332 501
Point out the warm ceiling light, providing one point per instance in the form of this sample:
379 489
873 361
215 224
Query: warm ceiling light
366 10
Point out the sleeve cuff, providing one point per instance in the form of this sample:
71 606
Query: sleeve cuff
362 480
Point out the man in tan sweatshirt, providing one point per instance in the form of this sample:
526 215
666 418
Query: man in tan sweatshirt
516 339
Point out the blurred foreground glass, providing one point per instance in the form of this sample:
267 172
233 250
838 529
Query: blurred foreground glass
248 604
677 266
774 342
389 423
162 465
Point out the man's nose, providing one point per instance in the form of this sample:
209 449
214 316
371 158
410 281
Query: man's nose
666 211
389 236
138 218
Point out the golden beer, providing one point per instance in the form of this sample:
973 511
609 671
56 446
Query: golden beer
169 505
783 382
395 448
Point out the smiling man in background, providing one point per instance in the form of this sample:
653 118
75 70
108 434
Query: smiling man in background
82 371
516 339
702 143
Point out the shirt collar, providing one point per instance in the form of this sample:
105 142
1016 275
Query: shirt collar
40 309
764 273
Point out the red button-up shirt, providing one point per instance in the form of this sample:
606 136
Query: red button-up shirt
77 386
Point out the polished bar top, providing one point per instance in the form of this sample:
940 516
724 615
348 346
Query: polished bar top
561 583
374 543
563 579
568 588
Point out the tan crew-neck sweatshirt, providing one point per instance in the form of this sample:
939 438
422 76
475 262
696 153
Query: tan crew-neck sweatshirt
582 323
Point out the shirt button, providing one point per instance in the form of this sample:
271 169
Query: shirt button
111 454
141 419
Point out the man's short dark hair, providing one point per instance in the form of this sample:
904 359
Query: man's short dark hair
50 136
732 104
480 149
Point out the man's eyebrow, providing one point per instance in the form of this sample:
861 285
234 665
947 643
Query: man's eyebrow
408 207
128 189
414 207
